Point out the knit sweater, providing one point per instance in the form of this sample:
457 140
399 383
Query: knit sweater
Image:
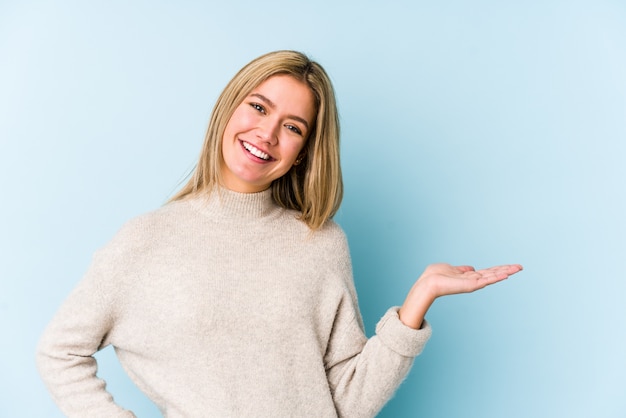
226 305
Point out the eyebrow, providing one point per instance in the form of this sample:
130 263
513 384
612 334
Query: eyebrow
273 106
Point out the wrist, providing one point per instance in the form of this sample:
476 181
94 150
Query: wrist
418 301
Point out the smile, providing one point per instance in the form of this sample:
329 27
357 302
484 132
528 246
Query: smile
255 151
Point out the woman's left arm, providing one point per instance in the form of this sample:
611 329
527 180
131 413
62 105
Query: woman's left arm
364 373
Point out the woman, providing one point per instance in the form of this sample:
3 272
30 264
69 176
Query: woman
236 298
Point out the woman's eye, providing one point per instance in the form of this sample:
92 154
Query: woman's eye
294 129
258 107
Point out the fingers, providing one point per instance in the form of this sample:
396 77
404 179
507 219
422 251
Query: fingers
502 272
465 269
495 273
510 269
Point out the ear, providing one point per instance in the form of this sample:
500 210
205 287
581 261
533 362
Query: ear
299 159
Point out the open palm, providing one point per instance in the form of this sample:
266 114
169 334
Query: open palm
448 280
444 279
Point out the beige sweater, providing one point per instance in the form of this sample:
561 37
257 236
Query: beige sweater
226 306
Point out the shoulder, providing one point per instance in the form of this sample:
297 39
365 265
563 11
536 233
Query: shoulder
331 243
149 222
333 235
326 245
147 228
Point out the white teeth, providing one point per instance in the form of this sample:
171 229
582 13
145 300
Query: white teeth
255 151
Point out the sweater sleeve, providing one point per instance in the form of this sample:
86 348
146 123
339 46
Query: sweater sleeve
65 351
364 373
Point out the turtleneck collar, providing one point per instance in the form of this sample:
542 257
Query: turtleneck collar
225 204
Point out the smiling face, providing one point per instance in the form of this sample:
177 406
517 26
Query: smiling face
266 134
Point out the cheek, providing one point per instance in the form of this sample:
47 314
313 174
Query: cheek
294 149
242 118
234 123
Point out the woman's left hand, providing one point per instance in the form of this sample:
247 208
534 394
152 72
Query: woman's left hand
443 279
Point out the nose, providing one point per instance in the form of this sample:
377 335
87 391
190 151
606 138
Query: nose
267 131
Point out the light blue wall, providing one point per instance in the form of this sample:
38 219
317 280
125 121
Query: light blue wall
473 132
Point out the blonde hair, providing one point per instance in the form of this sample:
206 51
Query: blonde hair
315 186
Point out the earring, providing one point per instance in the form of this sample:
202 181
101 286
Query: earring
298 160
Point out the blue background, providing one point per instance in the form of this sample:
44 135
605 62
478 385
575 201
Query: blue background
479 132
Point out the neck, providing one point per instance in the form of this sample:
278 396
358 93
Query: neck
227 204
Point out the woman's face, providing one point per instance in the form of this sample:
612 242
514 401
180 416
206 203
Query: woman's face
266 133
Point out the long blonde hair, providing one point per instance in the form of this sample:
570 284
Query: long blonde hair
315 186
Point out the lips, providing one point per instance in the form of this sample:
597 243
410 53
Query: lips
256 152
